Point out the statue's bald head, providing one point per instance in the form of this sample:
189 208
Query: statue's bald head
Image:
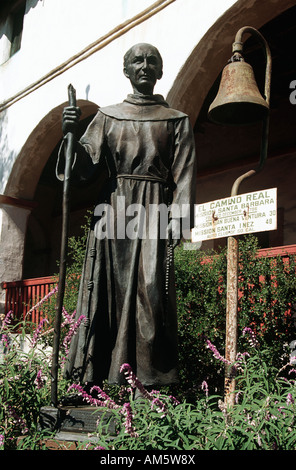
142 46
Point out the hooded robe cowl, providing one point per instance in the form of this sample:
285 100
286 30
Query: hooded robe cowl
127 288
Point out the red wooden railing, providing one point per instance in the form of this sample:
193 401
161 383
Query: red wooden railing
23 297
282 251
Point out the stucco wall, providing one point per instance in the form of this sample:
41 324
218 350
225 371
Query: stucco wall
56 30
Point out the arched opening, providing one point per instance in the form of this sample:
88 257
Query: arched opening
210 55
33 178
225 153
43 235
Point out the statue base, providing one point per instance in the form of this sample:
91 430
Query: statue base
76 423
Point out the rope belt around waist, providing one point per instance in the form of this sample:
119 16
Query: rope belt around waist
153 179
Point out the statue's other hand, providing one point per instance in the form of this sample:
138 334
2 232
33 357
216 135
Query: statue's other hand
71 116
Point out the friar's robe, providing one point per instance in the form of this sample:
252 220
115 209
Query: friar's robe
127 289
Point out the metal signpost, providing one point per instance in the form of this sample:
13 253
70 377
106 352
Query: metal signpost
239 102
237 215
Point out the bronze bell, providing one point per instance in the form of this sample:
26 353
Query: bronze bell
238 100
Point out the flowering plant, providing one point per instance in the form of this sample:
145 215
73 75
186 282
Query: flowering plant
266 304
263 416
25 376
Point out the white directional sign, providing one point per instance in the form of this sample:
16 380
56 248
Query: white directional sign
236 215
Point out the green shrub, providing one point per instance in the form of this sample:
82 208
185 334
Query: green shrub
24 386
25 382
263 416
267 291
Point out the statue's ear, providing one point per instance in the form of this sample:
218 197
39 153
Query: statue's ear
159 75
125 72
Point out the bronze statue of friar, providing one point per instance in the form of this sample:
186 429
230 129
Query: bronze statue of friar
127 289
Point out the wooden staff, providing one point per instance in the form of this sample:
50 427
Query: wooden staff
69 158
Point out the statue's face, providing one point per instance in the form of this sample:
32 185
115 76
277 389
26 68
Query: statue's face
143 67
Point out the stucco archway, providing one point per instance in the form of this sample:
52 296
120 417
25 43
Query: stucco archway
226 153
211 54
22 186
30 162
